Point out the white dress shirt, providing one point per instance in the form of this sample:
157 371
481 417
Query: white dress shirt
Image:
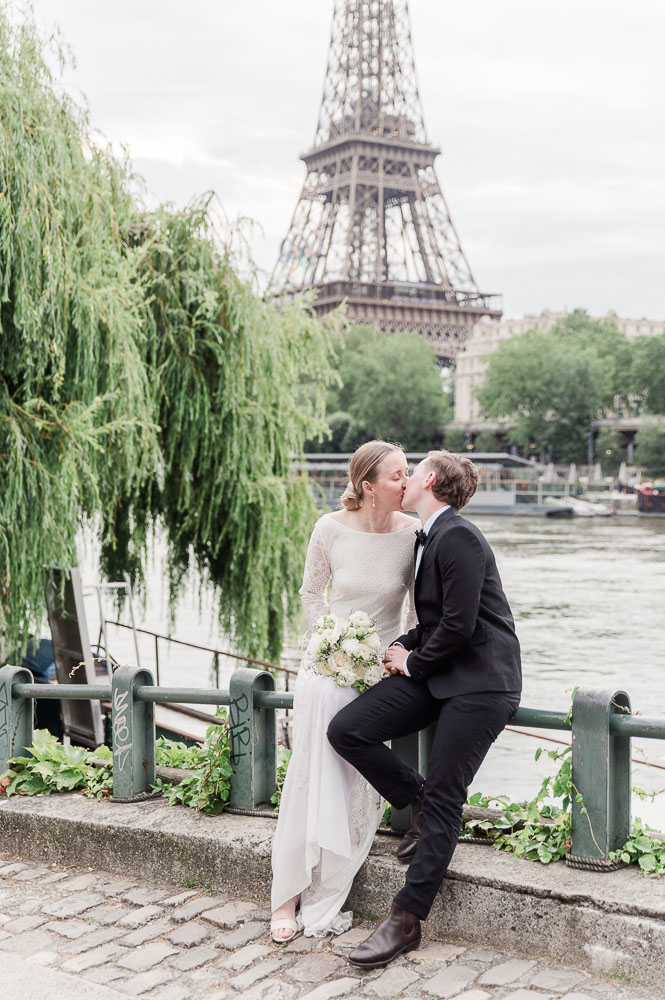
419 555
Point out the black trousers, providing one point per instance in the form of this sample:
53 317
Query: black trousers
467 726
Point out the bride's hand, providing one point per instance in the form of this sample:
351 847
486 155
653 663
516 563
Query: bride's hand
393 659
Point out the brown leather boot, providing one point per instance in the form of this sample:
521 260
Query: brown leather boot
397 934
411 838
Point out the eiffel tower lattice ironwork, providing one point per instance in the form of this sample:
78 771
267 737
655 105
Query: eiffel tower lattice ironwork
372 226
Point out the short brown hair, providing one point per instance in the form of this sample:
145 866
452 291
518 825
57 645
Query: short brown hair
362 467
456 478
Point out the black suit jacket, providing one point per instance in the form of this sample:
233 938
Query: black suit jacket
465 639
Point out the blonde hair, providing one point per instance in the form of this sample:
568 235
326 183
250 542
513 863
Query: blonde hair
363 466
456 478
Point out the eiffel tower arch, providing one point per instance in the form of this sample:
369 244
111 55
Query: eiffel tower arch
372 226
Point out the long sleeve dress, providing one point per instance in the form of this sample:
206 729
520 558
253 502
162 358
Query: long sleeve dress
328 813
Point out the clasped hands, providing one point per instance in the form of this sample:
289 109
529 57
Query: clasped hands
393 659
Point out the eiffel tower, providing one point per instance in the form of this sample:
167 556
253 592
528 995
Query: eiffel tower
372 226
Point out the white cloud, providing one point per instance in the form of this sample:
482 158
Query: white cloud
550 115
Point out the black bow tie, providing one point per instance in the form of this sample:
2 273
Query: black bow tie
421 536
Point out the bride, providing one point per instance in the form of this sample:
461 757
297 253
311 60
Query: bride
328 813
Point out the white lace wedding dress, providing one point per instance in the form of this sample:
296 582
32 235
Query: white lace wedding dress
328 813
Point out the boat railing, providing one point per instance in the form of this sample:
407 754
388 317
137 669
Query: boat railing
600 722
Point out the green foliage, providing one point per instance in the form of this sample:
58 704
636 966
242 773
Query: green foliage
282 768
534 830
208 788
237 387
554 383
75 421
647 375
391 388
454 439
608 450
143 384
650 441
52 767
541 831
645 850
485 441
579 331
341 428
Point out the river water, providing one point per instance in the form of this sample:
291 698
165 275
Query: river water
588 596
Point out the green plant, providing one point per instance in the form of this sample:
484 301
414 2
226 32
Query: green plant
454 439
535 830
647 851
282 768
52 767
208 788
170 753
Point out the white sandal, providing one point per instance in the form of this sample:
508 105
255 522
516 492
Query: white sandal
287 925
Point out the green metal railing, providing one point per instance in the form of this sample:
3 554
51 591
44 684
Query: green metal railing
601 726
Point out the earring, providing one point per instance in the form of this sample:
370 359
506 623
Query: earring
373 501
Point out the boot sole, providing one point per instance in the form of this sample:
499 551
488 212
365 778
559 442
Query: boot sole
386 961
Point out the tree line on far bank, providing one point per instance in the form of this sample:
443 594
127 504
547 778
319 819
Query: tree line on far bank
552 384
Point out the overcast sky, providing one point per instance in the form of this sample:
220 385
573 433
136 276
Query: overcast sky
550 115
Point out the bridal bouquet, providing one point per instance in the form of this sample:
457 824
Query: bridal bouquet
346 649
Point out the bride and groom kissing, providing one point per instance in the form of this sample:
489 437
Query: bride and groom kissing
452 658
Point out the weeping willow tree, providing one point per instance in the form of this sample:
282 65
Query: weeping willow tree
76 424
237 388
143 384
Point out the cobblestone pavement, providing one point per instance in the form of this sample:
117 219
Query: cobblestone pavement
83 933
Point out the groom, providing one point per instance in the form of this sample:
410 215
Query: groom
459 667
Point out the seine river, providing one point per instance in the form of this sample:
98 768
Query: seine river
588 597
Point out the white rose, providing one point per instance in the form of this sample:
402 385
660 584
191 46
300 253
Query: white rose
324 667
360 619
373 675
352 647
373 640
365 653
346 677
339 660
337 630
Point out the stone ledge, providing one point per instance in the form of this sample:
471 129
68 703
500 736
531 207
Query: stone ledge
610 923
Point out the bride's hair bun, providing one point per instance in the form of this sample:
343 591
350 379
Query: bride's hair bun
351 498
363 468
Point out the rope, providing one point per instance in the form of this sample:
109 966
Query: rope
266 813
564 743
386 830
140 797
591 865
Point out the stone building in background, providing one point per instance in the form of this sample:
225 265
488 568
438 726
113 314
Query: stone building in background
488 333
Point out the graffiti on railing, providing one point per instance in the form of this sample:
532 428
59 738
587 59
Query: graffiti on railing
121 744
4 712
240 732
